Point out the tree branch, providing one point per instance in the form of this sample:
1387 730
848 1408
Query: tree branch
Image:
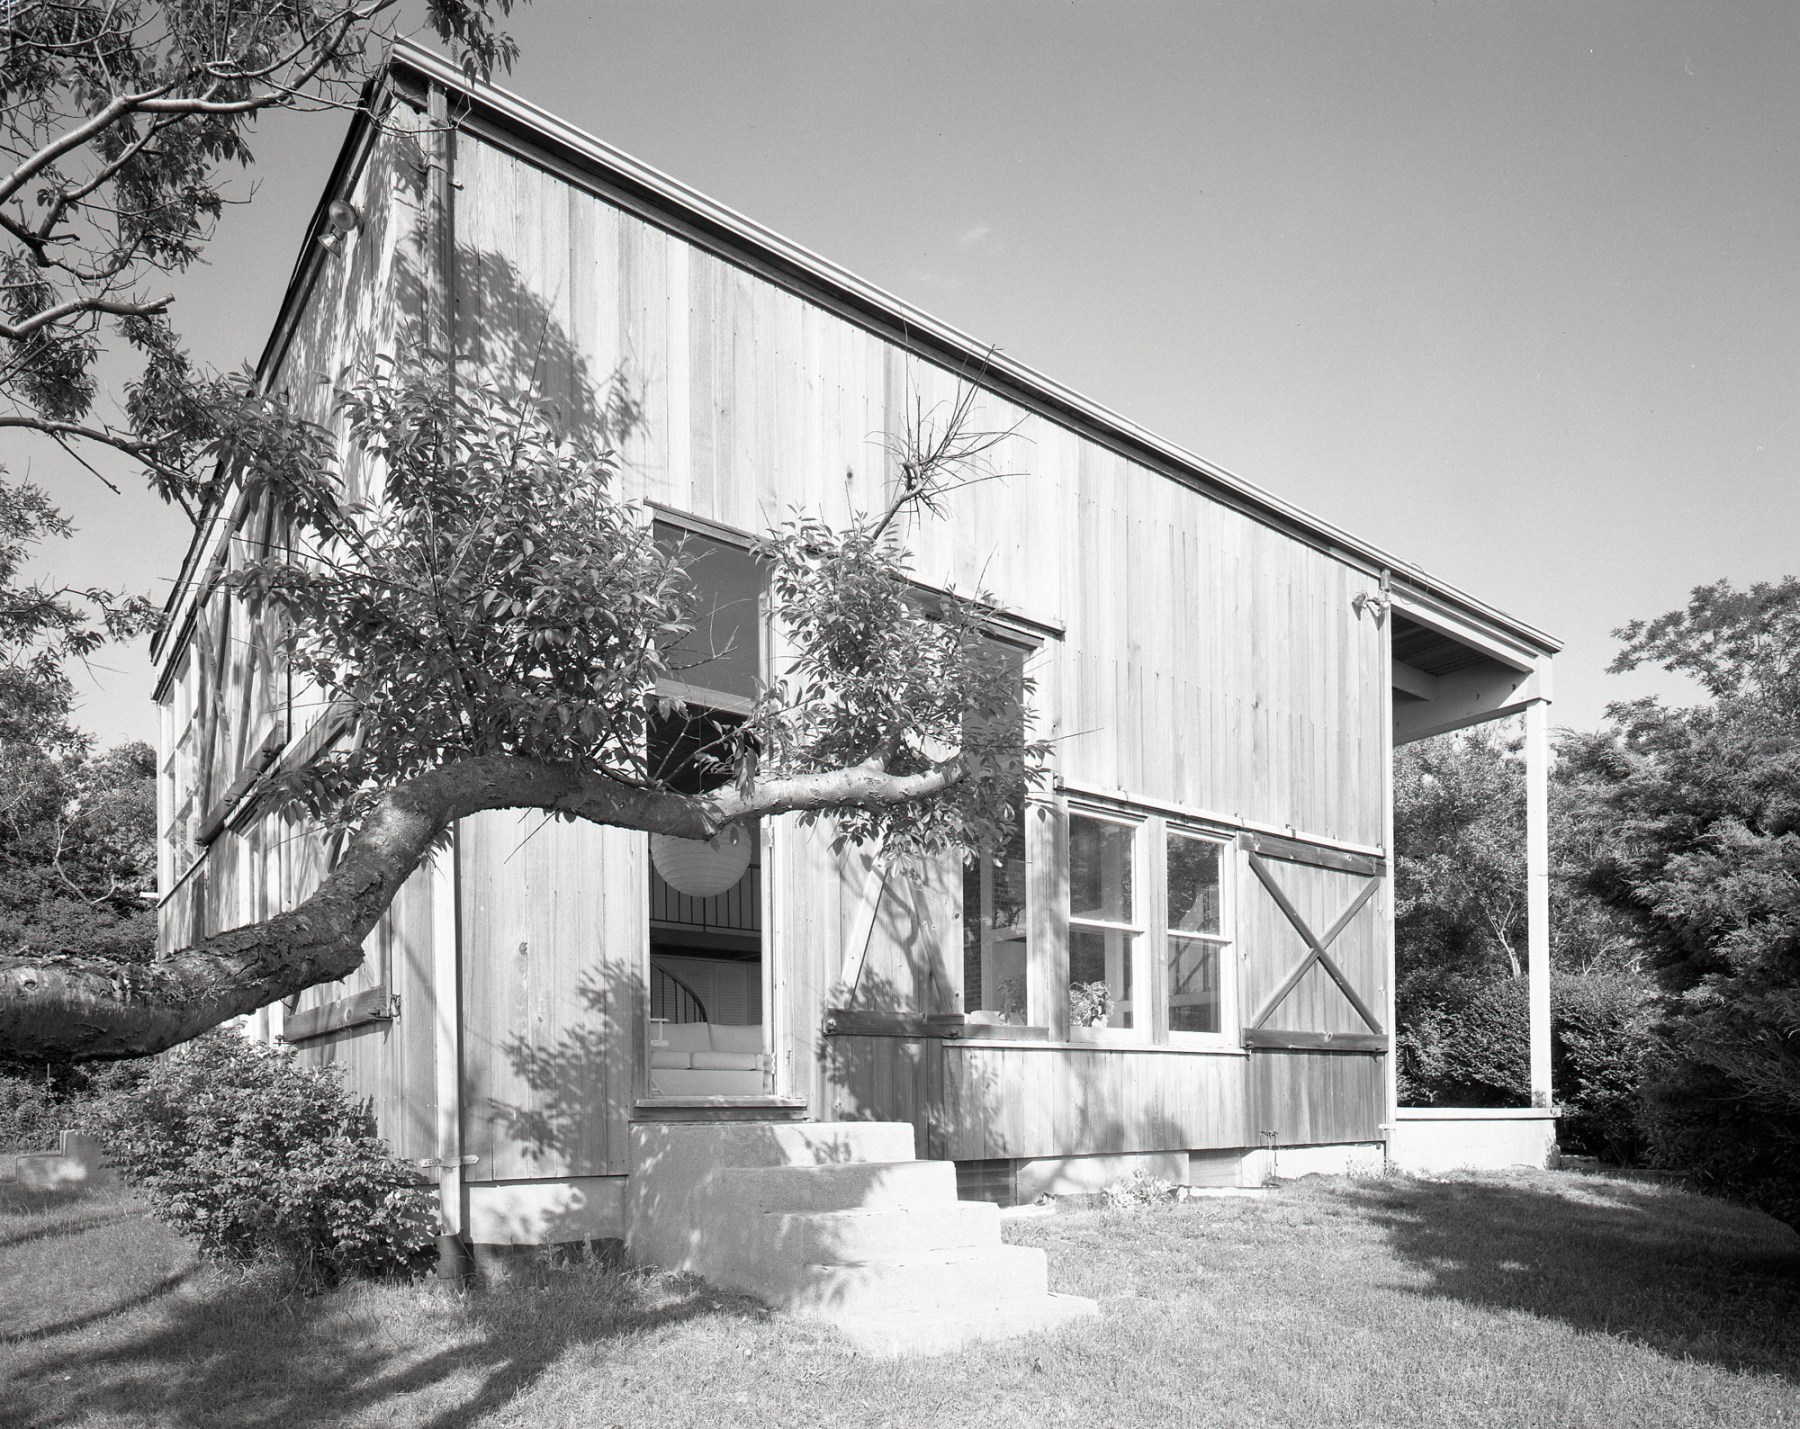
58 1007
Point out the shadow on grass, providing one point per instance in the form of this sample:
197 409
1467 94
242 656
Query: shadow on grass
105 1312
1684 1275
237 1349
28 1214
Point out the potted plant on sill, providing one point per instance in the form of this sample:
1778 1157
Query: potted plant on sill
1090 1011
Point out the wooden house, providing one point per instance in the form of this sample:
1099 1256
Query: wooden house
1183 963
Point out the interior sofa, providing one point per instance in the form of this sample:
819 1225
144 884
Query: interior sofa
706 1059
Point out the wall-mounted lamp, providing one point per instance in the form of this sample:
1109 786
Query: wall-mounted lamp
341 220
1376 605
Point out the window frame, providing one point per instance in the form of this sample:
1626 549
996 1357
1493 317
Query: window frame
1143 1010
1230 1034
1151 830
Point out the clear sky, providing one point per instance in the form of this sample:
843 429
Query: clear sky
1509 289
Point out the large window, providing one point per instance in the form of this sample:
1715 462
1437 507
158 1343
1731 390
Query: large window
1149 930
995 967
1103 932
996 964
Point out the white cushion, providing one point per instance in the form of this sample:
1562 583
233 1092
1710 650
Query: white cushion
662 1057
677 1083
748 1038
727 1062
688 1036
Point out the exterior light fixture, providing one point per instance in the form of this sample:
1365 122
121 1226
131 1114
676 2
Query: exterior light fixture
701 868
341 220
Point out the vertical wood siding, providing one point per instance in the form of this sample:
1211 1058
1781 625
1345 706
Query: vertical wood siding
553 968
1205 660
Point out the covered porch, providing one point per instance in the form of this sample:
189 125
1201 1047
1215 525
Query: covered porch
1450 670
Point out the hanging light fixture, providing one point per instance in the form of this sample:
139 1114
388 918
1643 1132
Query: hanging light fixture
702 868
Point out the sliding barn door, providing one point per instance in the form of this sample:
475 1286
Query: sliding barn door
1315 993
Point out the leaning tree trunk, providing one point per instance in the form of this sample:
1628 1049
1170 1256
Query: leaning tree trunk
65 1008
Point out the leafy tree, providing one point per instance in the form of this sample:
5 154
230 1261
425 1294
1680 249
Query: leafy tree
119 120
1459 832
1703 858
76 831
78 852
493 625
1459 817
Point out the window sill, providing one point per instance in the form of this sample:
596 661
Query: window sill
1120 1045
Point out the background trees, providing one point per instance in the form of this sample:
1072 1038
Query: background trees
120 121
1699 852
1461 1003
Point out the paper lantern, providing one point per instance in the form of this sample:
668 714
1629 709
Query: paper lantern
701 868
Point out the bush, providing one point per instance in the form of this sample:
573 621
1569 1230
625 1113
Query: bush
1468 1043
37 1102
31 1111
1702 1115
256 1155
1600 1030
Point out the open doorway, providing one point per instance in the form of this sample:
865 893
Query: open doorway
708 1034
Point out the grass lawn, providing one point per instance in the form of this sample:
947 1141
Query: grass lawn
1540 1298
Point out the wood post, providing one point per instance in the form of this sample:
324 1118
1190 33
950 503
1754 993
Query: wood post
1537 892
446 1006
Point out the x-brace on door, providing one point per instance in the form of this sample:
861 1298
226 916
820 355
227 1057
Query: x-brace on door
1259 850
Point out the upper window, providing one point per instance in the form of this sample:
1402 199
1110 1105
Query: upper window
719 661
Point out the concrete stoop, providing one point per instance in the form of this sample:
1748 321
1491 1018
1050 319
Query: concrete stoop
837 1221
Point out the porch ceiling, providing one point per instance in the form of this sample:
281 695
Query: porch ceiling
1432 652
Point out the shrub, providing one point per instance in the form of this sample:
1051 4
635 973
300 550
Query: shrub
1468 1043
31 1110
1139 1190
37 1102
256 1155
1702 1115
1600 1029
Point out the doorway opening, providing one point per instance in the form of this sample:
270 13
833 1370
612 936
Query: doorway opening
709 1036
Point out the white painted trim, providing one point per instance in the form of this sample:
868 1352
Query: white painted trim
1475 1113
1410 681
1537 894
446 1012
1120 1043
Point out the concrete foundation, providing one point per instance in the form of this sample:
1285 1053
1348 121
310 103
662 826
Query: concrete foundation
1083 1175
1435 1139
77 1161
547 1212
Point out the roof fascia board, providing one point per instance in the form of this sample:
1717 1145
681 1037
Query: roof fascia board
1434 613
674 206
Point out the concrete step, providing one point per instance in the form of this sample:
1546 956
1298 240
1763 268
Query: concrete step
940 1281
927 1332
768 1143
849 1237
753 1190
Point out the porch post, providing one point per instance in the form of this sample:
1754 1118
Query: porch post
1537 892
